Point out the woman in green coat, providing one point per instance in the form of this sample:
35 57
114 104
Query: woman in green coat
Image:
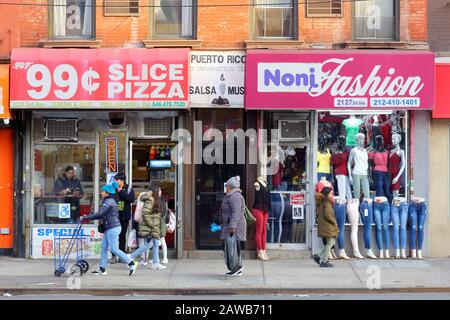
326 225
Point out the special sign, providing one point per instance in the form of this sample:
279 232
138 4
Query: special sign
100 78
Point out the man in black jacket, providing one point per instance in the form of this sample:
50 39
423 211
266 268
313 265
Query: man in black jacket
125 198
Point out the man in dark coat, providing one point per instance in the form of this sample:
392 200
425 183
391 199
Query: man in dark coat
125 198
69 186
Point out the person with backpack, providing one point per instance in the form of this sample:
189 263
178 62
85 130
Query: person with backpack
109 213
233 219
150 225
125 197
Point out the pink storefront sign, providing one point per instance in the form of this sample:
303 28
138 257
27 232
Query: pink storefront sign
350 79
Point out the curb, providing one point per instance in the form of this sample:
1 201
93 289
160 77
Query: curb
212 292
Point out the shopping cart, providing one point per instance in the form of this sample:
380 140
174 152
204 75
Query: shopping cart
63 245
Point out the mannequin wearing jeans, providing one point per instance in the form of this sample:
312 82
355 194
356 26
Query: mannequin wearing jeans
367 217
417 217
399 213
381 212
339 212
396 164
353 218
380 169
358 177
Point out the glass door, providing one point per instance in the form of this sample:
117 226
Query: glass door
289 188
211 178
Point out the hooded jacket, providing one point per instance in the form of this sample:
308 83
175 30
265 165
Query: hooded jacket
233 215
108 212
126 198
150 225
327 225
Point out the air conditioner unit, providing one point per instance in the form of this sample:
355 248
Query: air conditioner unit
293 130
156 127
61 129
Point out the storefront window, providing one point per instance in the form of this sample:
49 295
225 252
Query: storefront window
63 182
384 142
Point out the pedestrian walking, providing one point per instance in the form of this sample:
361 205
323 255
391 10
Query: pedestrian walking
125 197
233 219
109 213
326 224
150 225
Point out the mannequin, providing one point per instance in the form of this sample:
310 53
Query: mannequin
353 218
399 214
376 130
358 177
417 217
260 211
291 168
380 168
396 164
381 212
339 161
339 212
351 125
276 161
323 161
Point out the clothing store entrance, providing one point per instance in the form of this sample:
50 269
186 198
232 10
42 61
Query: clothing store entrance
288 217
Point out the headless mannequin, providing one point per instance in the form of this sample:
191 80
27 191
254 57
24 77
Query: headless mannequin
260 181
352 127
419 252
396 138
380 160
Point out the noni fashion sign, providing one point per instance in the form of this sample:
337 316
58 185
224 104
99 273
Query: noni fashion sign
99 78
339 80
217 74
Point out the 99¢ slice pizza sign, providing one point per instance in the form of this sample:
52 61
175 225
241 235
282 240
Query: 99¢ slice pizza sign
99 78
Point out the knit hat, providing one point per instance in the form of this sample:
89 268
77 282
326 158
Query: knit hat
234 182
109 188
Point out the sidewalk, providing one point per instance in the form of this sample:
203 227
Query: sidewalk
21 276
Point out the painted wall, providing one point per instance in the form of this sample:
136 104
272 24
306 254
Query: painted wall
439 210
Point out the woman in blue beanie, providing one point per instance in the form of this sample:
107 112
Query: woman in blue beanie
110 215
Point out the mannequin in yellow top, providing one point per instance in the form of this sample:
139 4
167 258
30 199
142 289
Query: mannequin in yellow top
323 161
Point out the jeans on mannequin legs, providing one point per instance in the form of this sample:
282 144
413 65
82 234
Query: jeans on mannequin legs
382 184
417 217
326 175
339 212
381 213
399 216
367 217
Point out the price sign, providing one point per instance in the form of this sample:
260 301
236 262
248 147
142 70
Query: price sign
105 78
297 199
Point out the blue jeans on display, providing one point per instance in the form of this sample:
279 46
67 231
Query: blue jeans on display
339 212
382 184
111 241
399 216
326 175
145 247
381 212
417 217
366 212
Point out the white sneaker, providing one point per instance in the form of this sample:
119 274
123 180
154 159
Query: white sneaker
165 261
143 263
158 267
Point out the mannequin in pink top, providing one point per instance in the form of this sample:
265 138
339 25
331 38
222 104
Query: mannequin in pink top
380 168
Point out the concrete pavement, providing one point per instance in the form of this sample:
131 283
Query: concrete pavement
206 276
